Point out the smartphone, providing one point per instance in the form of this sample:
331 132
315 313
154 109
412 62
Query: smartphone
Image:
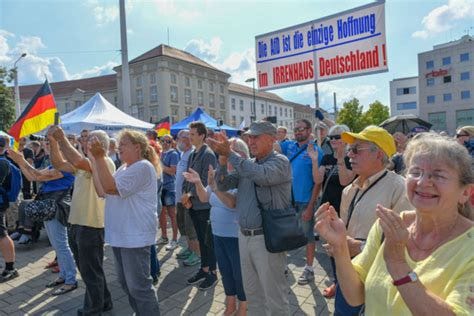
56 118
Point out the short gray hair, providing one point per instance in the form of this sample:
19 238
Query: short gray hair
338 129
102 137
240 145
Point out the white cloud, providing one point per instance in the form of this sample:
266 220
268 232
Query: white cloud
104 14
187 10
443 18
207 51
34 68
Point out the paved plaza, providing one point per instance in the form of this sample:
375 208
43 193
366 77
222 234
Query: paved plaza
27 294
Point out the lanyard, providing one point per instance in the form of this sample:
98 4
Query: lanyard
354 202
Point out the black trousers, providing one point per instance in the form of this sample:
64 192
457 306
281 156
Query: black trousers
202 226
87 245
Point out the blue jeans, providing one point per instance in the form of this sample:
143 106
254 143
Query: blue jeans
154 264
57 234
342 308
308 226
228 259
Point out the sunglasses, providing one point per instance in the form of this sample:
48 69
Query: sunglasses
334 137
300 129
167 141
461 135
356 149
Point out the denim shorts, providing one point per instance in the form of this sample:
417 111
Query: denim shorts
308 226
168 198
3 226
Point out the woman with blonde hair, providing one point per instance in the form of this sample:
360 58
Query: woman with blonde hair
131 215
418 262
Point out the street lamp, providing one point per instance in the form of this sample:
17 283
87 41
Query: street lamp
254 109
17 88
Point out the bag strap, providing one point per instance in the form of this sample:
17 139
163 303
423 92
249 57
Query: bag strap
331 172
260 206
354 202
305 146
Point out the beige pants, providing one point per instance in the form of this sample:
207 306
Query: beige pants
263 274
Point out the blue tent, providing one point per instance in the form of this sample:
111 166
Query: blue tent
209 121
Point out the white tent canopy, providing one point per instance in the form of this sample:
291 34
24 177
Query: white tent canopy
98 113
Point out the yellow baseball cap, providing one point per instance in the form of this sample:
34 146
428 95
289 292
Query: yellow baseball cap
373 134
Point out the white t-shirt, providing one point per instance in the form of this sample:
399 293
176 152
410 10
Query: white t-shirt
130 217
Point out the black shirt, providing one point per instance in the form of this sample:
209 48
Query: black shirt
333 191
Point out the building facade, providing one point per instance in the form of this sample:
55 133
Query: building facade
404 96
446 85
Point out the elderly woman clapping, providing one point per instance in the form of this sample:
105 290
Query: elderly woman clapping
422 261
130 214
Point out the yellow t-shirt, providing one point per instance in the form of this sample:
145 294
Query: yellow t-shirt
87 209
448 273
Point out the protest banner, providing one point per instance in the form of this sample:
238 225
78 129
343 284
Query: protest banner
346 44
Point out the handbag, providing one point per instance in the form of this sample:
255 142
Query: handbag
281 229
41 210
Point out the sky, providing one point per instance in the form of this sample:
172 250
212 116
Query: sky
71 39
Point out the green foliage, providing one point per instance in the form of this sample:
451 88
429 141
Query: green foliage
353 116
7 103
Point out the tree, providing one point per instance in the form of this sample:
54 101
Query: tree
7 103
376 114
351 115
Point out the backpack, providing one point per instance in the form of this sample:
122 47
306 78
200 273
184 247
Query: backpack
16 182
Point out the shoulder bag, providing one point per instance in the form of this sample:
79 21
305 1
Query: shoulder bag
281 228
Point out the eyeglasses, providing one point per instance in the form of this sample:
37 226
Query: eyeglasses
356 149
417 174
334 137
300 129
461 135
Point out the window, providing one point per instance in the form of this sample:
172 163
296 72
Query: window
222 102
241 105
270 110
187 96
141 113
153 94
286 112
406 106
291 113
241 119
430 99
232 103
447 97
152 78
447 79
212 100
174 93
466 94
138 81
67 106
429 64
154 113
465 75
211 86
187 81
234 120
115 100
430 82
465 117
438 120
464 57
200 98
408 90
221 88
187 112
262 108
173 78
199 84
139 96
446 61
281 112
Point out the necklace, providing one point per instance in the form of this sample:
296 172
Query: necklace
413 239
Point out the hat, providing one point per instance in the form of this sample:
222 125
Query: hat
321 125
373 134
261 127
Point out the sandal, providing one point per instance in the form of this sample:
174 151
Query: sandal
66 288
55 283
330 291
55 269
51 264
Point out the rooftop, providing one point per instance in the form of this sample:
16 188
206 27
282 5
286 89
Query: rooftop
238 88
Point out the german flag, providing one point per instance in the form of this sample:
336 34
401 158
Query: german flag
163 126
38 115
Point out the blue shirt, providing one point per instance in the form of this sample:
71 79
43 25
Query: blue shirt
224 220
60 184
169 159
302 170
180 168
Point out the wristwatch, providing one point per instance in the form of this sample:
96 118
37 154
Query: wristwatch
410 277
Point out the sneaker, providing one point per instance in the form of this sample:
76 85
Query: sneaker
15 235
209 282
8 275
192 260
306 277
172 245
183 254
25 239
198 277
162 241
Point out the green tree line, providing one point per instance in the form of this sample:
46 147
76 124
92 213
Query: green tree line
356 119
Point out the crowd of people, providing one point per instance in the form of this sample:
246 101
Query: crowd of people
394 212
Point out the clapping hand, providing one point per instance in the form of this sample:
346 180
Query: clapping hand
55 132
15 156
312 153
95 148
219 144
330 226
192 176
396 235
